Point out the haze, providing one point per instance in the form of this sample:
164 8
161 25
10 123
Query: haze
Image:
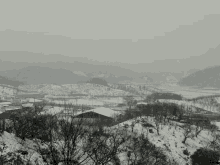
113 31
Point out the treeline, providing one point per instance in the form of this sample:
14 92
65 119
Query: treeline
127 88
157 95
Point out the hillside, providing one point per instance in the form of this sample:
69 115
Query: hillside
71 89
6 81
208 77
44 75
113 73
6 91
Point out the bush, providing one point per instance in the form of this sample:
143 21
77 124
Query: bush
203 156
186 152
145 124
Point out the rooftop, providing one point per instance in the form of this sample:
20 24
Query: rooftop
102 111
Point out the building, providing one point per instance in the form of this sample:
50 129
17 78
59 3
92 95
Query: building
103 114
141 104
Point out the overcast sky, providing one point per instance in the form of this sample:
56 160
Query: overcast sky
172 28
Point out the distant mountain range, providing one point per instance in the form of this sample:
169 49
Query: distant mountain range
208 77
46 75
37 68
91 58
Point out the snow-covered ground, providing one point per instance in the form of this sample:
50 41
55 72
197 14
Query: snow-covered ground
170 140
6 91
52 110
189 92
13 144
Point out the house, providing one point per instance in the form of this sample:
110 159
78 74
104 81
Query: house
141 104
98 112
105 115
101 113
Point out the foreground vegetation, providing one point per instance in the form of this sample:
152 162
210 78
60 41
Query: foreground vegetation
74 141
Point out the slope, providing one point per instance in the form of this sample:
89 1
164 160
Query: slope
44 75
6 81
208 77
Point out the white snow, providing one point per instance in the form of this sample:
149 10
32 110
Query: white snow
5 103
13 143
170 140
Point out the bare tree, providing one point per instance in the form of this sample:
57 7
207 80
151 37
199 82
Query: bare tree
158 119
142 151
215 142
130 101
200 124
212 128
103 146
187 131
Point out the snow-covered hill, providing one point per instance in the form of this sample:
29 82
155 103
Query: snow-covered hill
68 89
170 139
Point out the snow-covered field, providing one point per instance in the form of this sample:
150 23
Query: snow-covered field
67 89
79 102
52 110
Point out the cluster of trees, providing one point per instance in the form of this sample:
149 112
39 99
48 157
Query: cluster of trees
156 95
130 101
97 80
71 140
208 102
162 113
126 88
193 125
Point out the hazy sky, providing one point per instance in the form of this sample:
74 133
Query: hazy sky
172 20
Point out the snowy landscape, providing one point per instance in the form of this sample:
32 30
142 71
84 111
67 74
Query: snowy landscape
110 83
